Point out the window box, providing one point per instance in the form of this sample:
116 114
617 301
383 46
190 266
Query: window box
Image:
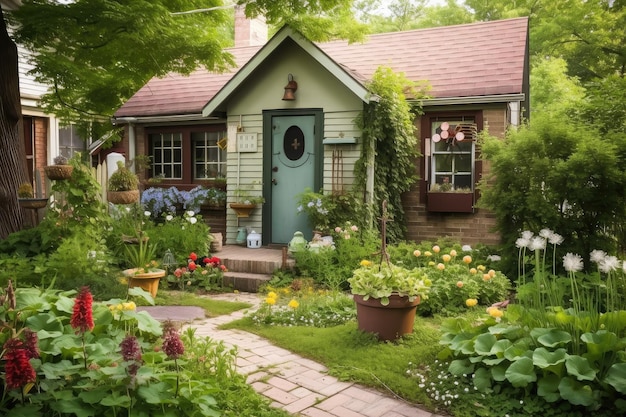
443 202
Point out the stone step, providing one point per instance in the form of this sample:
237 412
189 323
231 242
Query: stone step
245 281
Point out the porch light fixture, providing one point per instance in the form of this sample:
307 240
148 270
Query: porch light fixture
290 89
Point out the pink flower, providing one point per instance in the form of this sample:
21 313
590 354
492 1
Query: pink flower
354 228
82 316
172 345
178 273
337 229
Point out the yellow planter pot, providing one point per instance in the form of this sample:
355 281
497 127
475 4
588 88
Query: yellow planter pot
148 281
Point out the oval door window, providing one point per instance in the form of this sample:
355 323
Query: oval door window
293 143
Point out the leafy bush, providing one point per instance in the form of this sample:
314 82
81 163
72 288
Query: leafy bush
301 304
326 210
108 359
332 266
561 342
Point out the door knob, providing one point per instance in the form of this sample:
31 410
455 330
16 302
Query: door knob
274 181
275 169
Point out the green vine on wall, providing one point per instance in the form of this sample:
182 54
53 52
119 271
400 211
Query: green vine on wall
389 134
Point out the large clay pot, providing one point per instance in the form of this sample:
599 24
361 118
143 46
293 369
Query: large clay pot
148 281
389 322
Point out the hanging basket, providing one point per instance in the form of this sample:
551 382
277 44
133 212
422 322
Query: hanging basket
242 210
33 203
58 172
123 197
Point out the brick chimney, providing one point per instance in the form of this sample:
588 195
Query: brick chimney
249 32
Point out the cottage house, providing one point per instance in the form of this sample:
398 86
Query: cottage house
283 120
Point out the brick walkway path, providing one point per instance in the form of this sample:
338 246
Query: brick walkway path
299 386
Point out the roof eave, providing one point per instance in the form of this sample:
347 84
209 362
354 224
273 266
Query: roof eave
447 101
161 119
244 72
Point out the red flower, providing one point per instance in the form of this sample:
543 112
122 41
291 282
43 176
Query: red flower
206 261
18 370
131 351
193 256
172 345
223 267
82 317
192 266
31 340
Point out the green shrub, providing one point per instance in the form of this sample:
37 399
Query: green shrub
85 373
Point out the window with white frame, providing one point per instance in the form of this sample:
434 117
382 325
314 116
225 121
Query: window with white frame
70 142
452 150
209 153
167 155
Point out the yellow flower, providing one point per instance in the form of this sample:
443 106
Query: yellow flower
492 273
293 303
486 277
467 259
481 267
453 253
272 294
446 258
436 249
427 253
417 253
441 266
473 271
431 263
129 306
271 301
365 262
459 284
119 307
495 312
471 302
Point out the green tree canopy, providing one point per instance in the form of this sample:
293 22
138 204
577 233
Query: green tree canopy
95 54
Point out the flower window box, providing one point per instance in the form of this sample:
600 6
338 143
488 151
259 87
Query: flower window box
450 202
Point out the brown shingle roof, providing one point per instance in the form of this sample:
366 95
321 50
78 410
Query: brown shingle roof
486 58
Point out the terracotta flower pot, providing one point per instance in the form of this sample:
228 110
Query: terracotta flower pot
148 281
389 322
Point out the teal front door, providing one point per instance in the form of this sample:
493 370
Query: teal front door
293 170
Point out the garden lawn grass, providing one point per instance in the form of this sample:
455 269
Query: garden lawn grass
356 356
211 307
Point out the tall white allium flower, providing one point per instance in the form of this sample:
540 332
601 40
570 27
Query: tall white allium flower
545 233
522 243
572 262
147 213
597 256
466 248
527 234
555 239
537 243
192 220
609 264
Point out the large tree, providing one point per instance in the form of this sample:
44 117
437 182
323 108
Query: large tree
94 54
12 162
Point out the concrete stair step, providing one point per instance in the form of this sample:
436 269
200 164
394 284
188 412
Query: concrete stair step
245 281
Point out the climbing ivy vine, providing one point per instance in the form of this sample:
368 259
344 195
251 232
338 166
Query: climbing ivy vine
389 134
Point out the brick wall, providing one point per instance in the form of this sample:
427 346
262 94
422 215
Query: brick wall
41 127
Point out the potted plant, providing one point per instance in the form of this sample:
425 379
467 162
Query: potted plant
386 298
446 198
26 197
123 186
61 170
245 202
140 253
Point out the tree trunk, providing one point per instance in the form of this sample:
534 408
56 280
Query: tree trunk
12 151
